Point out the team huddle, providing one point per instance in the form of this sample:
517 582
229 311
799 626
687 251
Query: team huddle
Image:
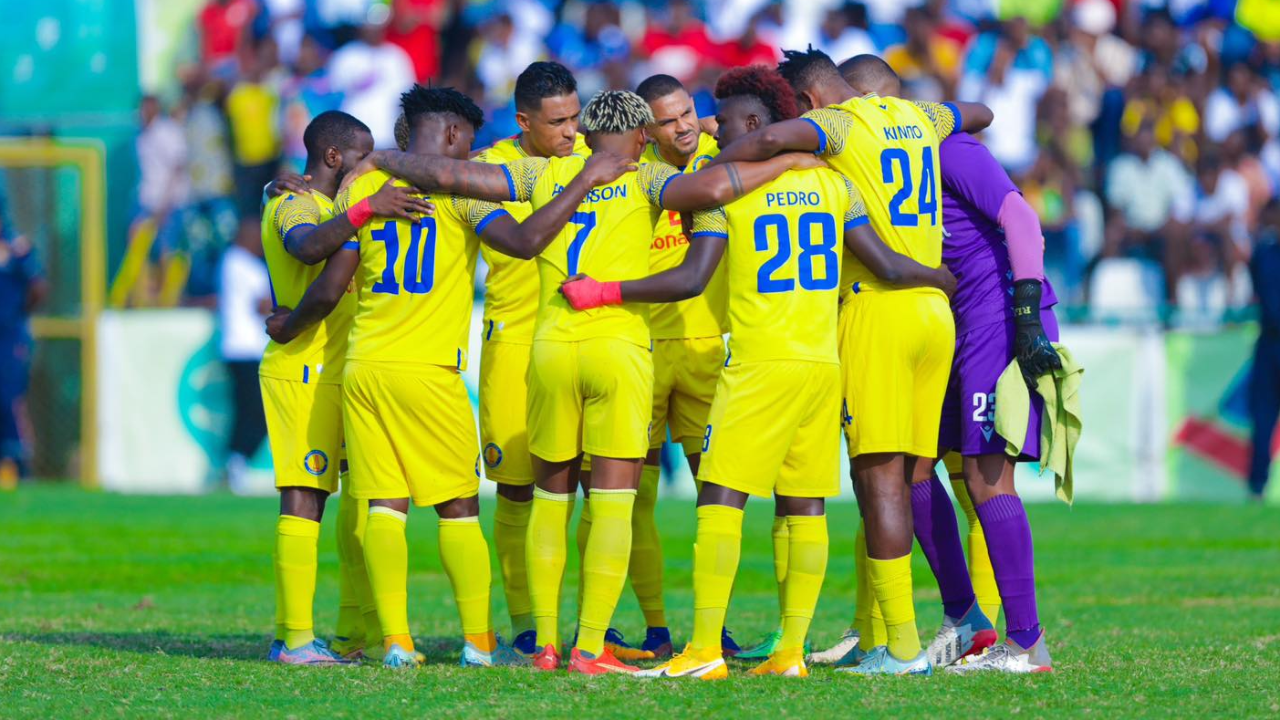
624 240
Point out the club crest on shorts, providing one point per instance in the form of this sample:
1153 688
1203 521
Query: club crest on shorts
316 462
492 455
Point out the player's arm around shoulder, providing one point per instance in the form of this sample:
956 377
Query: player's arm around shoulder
688 279
717 185
369 196
527 239
798 135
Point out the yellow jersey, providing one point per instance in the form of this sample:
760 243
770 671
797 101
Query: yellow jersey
785 242
607 238
701 316
318 354
888 147
511 285
415 281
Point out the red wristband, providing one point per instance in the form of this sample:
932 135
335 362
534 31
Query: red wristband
360 213
611 293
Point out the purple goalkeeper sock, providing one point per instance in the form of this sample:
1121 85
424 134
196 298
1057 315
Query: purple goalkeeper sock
939 536
1004 522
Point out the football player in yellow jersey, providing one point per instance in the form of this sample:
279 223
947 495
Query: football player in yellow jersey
590 376
302 401
688 352
547 109
896 344
783 297
406 409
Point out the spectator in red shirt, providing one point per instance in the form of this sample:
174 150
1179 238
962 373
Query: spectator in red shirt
415 27
678 43
223 24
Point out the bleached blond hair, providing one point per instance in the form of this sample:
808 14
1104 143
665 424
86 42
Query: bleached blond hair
615 111
402 132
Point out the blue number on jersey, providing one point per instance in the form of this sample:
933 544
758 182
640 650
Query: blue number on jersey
419 261
810 252
588 222
926 203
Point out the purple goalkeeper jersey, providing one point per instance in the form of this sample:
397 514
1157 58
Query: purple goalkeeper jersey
973 246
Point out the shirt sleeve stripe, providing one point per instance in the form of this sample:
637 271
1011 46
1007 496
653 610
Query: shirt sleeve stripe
709 233
663 191
351 245
480 226
511 183
857 222
295 228
955 110
822 135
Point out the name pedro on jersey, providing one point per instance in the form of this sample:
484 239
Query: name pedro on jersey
600 194
791 198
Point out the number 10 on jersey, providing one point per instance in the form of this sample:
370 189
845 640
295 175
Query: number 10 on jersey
419 271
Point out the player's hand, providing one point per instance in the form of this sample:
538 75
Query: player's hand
276 324
947 280
1031 346
400 202
604 167
288 182
585 293
805 161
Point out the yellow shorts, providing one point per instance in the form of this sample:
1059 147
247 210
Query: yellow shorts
772 429
504 392
590 396
895 355
304 429
684 382
412 434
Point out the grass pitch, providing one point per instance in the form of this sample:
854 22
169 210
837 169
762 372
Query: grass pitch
163 607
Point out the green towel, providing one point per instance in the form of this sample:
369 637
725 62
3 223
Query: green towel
1060 424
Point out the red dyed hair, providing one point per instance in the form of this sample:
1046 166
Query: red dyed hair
763 83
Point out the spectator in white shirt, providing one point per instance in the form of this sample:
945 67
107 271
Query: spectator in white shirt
372 73
1152 198
1244 102
244 301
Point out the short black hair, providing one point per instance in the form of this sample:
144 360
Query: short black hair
332 128
805 68
658 86
868 70
543 79
421 101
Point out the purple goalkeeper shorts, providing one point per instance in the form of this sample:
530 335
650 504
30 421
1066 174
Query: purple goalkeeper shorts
969 408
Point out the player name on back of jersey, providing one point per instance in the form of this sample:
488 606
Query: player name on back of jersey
903 132
600 194
793 198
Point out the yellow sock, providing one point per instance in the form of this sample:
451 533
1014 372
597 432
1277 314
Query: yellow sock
807 550
350 621
510 532
296 540
464 553
781 539
386 555
545 552
867 617
980 572
646 550
584 532
604 564
359 574
716 552
891 580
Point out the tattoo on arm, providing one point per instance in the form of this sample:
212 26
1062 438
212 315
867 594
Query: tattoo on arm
438 173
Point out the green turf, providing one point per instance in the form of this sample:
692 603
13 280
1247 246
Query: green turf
162 606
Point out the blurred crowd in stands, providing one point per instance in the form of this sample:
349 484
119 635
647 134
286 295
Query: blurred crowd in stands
1146 133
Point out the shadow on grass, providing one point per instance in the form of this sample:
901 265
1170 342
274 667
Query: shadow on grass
244 646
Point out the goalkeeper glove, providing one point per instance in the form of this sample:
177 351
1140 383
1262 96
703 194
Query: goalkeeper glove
1031 346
